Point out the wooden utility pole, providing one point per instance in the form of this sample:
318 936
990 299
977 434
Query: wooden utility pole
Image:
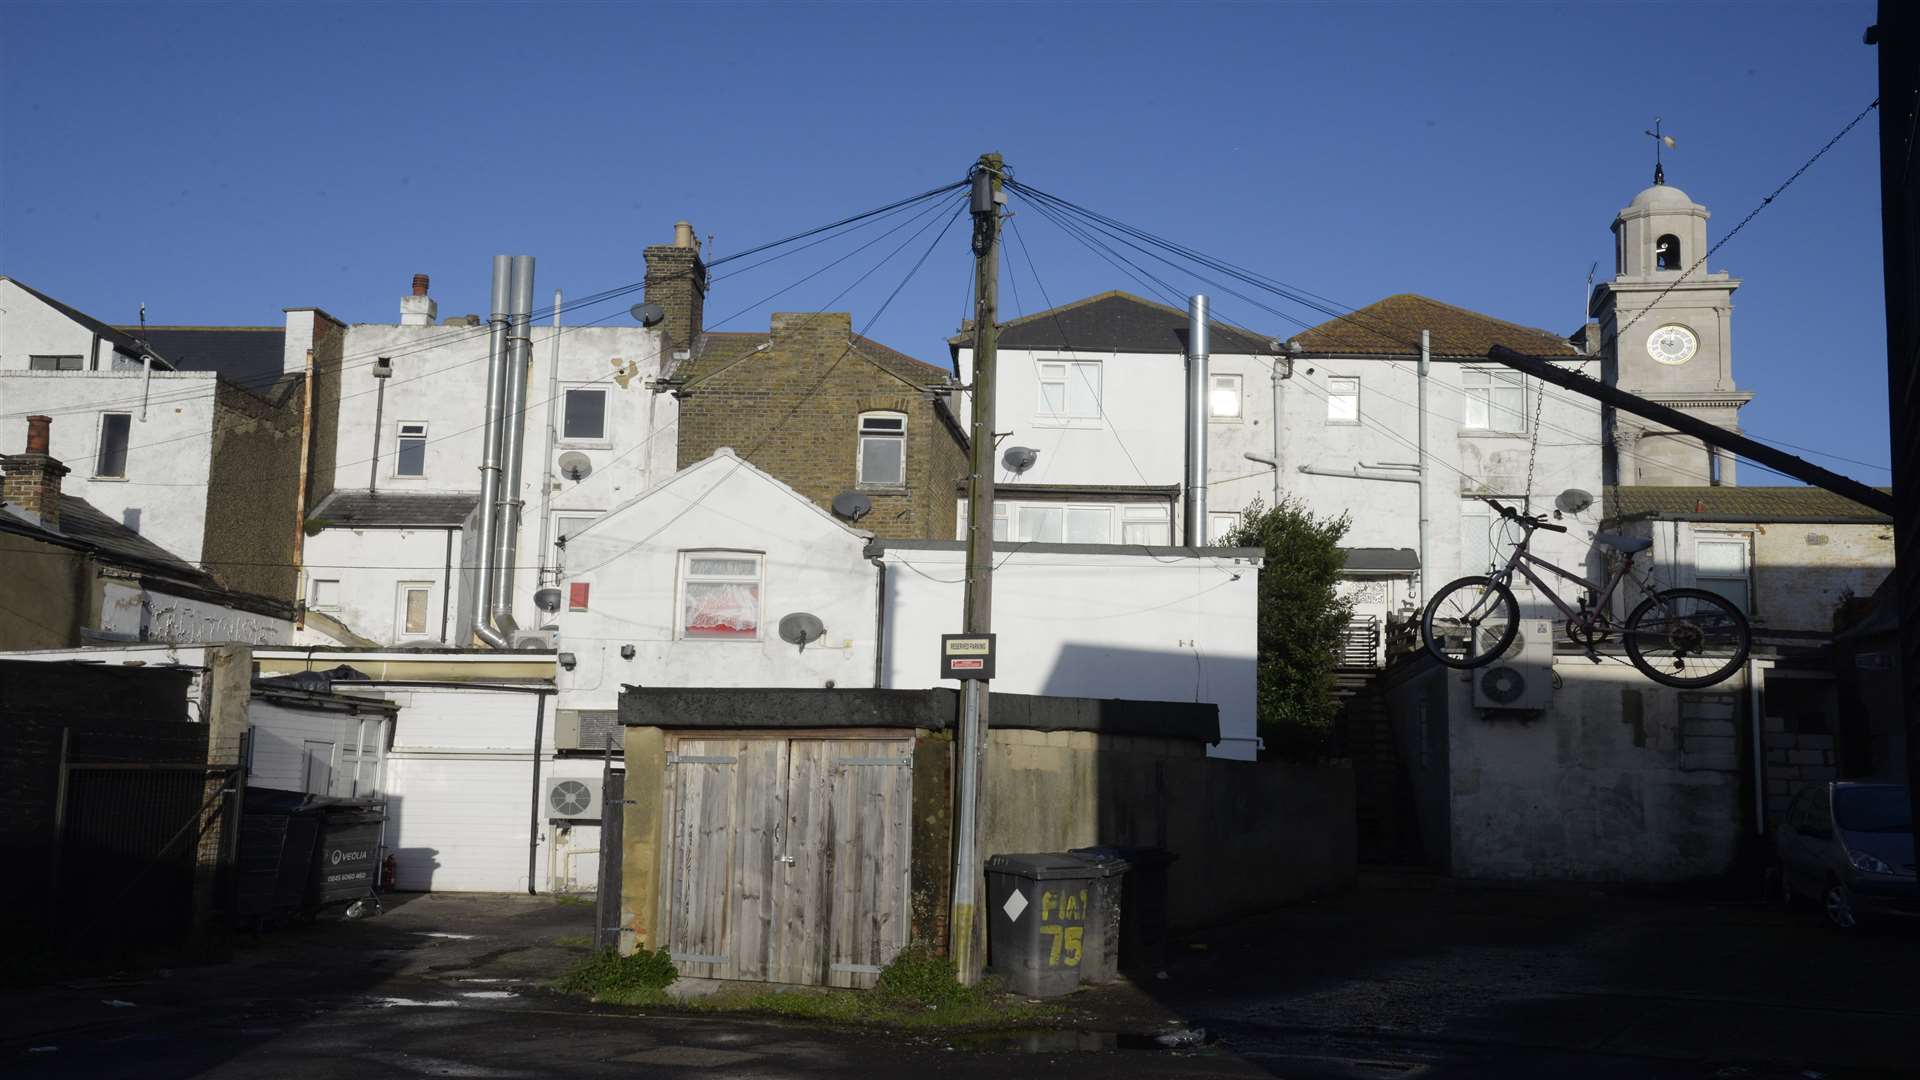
966 927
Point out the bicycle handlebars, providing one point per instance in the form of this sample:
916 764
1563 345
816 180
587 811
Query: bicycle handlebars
1532 521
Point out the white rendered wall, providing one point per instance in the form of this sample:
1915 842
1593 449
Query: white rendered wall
143 614
1152 627
439 378
164 493
370 564
1139 438
630 560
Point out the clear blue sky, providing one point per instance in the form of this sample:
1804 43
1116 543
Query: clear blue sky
220 163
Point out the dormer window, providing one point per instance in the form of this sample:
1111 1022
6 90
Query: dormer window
1666 253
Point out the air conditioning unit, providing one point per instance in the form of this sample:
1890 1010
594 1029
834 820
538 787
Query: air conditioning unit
573 798
1522 678
587 729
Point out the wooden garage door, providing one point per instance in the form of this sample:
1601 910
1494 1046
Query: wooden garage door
788 859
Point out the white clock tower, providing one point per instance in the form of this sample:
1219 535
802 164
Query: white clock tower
1668 333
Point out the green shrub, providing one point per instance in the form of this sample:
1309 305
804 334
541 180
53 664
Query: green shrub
607 974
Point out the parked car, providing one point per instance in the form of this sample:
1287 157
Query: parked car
1849 846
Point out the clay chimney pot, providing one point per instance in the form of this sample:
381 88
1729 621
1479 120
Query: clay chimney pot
37 433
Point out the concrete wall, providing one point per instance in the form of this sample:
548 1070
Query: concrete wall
1619 780
1798 573
1249 836
59 582
631 562
1164 625
131 609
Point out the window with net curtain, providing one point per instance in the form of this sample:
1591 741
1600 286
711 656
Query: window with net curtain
720 595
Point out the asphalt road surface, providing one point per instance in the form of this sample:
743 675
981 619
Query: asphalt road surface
1405 977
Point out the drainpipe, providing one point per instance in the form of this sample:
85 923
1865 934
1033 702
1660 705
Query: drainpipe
1354 473
879 622
1196 524
1279 385
513 423
1759 749
548 574
533 814
382 371
490 453
300 500
1426 355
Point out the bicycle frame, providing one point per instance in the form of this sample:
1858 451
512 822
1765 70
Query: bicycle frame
1602 592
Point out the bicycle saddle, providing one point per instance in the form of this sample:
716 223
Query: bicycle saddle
1625 544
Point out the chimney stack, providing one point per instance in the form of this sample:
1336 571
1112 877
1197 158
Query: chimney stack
419 308
32 483
677 281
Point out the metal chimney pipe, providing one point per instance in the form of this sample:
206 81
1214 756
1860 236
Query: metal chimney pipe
490 453
513 422
1197 349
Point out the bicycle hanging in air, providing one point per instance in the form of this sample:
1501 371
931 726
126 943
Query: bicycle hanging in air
1685 638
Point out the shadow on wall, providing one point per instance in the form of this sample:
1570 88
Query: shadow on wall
1177 675
414 867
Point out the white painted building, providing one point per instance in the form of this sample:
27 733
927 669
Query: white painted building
391 537
699 581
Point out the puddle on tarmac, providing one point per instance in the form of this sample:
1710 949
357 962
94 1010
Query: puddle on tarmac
1075 1042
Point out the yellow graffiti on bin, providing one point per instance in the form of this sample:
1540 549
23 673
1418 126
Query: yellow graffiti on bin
1065 941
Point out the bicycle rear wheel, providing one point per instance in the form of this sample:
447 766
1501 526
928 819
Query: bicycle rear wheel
1687 638
1469 622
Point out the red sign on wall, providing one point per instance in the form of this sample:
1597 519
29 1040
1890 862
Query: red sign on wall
577 595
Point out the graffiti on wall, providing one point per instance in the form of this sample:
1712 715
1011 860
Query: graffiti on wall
141 615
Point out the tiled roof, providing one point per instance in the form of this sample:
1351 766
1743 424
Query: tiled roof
121 340
1380 560
248 355
1115 322
360 509
1391 327
1759 504
79 520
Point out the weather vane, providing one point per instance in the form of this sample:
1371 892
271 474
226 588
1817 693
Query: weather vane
1660 142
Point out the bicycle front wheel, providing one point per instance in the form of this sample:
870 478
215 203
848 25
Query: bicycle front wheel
1469 622
1687 638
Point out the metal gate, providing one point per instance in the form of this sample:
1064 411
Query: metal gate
130 861
787 860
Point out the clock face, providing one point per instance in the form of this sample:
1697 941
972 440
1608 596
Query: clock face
1672 344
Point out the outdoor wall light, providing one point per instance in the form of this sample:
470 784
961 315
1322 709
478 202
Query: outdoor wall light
568 660
626 652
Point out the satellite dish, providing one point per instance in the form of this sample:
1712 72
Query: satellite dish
1019 459
1572 501
575 466
852 505
649 314
547 600
801 628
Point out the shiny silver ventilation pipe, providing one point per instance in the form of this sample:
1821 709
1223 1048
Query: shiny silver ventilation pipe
490 451
513 440
1197 349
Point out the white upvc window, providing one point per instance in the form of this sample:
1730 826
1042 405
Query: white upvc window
323 594
584 415
54 363
1224 399
410 618
1069 390
410 448
1720 566
1149 525
111 462
1219 525
720 595
1343 399
882 450
1496 401
565 525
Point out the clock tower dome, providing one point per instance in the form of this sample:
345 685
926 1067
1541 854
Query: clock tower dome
1667 328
